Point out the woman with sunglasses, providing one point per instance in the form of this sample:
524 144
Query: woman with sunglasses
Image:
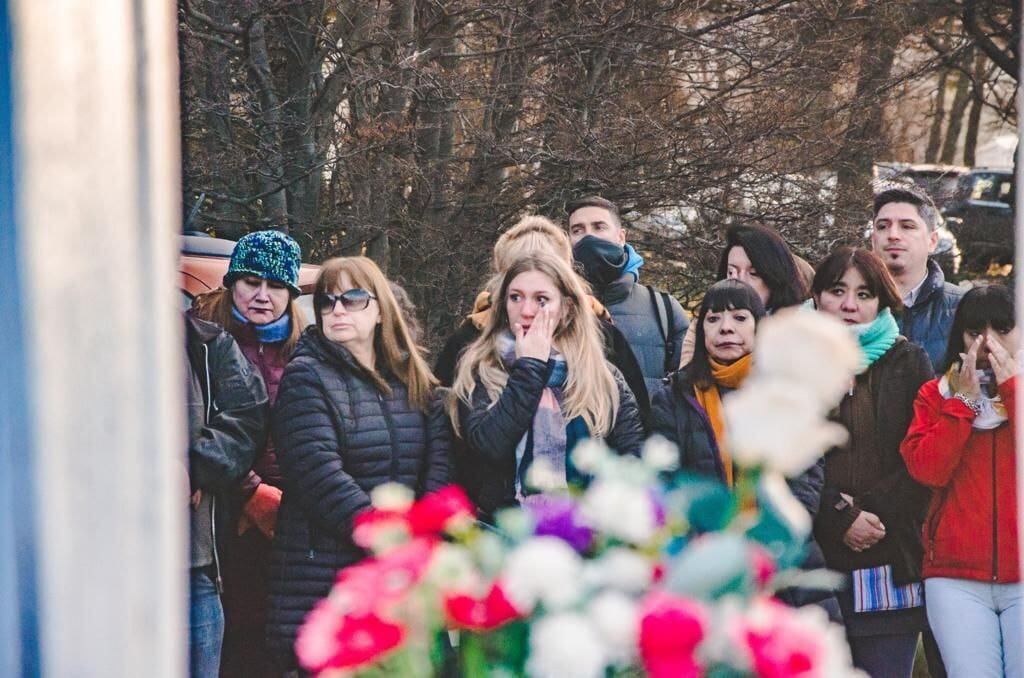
357 408
871 510
961 444
257 306
535 383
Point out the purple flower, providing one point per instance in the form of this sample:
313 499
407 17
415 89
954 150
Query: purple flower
557 517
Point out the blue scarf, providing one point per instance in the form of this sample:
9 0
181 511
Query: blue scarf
276 330
876 337
633 262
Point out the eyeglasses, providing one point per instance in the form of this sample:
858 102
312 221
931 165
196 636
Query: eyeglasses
353 300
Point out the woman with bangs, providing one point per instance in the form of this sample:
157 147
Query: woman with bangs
688 411
961 444
357 407
871 509
535 383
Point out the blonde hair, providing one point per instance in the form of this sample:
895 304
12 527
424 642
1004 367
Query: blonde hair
216 305
393 342
590 388
531 234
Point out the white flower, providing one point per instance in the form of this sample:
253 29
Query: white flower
452 567
543 570
619 509
622 569
392 497
615 616
565 645
543 476
813 350
779 425
660 455
588 455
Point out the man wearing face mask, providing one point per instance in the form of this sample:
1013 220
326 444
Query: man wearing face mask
652 321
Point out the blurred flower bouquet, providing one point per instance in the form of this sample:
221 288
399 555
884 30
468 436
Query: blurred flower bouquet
645 571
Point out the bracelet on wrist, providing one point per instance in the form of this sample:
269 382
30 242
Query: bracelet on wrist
974 405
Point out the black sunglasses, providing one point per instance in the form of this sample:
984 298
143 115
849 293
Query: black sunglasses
353 300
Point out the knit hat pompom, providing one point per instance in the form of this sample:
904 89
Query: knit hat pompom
268 254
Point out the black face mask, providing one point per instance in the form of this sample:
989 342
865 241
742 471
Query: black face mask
603 262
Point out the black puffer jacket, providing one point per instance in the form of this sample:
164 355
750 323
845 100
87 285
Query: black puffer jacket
487 462
338 437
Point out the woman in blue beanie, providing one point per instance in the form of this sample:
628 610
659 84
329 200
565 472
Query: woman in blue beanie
257 305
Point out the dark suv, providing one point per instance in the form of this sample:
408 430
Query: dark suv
981 216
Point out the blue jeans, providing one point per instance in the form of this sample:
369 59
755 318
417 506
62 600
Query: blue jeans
206 626
978 626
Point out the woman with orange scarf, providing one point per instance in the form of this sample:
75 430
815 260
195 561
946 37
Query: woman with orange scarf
688 410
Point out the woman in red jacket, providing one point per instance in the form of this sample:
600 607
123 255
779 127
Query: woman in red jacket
961 444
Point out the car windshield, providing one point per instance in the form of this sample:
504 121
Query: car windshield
993 187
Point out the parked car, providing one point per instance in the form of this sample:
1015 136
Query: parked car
939 181
204 261
981 216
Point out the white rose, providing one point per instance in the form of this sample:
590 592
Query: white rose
565 645
811 349
619 509
660 455
615 616
588 455
391 497
543 570
620 568
779 425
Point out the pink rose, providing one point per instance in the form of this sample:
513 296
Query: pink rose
671 628
331 640
780 644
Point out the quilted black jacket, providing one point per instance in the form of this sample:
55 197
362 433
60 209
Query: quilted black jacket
486 463
337 438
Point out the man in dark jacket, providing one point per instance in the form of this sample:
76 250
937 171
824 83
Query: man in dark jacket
903 234
653 322
227 423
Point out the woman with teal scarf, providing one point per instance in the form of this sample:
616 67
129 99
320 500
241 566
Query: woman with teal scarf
869 524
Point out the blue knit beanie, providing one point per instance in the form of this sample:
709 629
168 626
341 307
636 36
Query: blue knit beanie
267 254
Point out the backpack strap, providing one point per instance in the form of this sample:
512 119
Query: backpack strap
665 316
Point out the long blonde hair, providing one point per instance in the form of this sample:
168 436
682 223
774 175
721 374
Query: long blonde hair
393 342
216 305
590 388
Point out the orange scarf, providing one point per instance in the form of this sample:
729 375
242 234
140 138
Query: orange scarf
729 376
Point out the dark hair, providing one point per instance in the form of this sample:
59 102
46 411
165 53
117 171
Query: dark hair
914 195
980 307
732 295
594 201
874 271
774 262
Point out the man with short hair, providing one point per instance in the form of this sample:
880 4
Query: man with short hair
903 234
652 321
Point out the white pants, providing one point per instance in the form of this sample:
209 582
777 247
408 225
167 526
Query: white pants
978 626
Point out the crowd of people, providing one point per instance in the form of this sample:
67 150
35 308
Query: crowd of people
292 424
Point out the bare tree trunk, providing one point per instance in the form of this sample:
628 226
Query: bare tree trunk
271 170
961 99
931 153
974 117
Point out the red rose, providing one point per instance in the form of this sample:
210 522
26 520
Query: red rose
439 511
330 640
480 614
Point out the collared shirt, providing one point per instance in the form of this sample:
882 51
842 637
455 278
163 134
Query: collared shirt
910 298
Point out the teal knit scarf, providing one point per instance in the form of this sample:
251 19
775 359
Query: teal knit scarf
876 337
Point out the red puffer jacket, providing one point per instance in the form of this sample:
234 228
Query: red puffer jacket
971 531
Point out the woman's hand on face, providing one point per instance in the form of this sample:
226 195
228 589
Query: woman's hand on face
535 342
1004 363
865 532
968 375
